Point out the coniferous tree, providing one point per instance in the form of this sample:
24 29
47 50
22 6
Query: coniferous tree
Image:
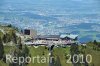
19 43
14 37
58 63
74 50
1 49
4 38
26 50
95 42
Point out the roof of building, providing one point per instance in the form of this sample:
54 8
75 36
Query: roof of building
72 36
48 36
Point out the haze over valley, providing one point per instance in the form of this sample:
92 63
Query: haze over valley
80 17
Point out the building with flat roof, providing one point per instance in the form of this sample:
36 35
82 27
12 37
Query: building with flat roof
63 39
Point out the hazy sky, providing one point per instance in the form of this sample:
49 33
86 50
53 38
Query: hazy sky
79 6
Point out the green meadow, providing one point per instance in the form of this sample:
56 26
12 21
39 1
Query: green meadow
57 51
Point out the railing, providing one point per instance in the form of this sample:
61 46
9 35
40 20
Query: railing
46 42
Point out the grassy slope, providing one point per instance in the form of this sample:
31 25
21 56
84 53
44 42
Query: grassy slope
57 51
6 50
95 55
61 53
3 64
38 52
